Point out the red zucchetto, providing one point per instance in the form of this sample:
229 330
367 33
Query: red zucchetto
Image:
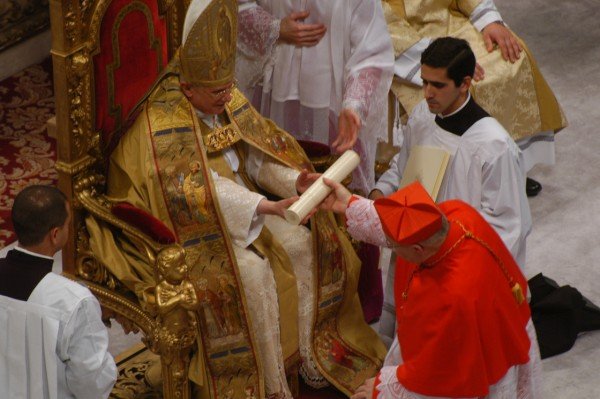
409 215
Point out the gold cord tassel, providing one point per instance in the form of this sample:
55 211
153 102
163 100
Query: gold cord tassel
517 292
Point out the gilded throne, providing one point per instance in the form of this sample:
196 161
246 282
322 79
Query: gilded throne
106 55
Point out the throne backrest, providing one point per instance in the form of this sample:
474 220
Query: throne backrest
132 50
106 55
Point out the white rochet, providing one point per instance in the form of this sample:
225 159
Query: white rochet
317 192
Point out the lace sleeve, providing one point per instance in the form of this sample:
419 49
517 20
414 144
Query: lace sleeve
389 387
363 222
258 30
359 90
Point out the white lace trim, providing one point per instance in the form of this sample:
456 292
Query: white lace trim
261 297
364 224
296 240
359 90
258 32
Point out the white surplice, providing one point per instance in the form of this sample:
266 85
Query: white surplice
304 89
54 346
485 170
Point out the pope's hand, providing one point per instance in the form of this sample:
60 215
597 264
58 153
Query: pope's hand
337 200
365 391
348 127
293 31
305 180
266 207
497 33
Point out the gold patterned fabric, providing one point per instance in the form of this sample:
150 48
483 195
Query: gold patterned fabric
515 94
164 165
208 54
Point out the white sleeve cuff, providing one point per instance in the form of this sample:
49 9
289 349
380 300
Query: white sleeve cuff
246 5
408 65
484 14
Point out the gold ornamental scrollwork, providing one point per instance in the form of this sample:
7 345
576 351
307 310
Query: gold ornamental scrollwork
79 94
73 23
88 267
77 11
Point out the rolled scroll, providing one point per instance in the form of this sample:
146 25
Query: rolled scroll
318 191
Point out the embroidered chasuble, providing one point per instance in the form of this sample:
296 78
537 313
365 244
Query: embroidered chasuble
517 95
271 293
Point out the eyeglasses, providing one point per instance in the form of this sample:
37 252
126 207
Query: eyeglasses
218 95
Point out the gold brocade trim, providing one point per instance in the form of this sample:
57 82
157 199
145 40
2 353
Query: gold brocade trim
342 363
264 134
227 337
339 324
465 6
222 137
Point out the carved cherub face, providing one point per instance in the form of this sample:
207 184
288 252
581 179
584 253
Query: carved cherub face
171 263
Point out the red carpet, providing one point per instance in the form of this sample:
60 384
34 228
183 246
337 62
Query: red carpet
27 154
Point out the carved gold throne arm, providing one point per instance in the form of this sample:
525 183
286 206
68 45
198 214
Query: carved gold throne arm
174 348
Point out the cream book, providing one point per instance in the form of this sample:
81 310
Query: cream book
428 166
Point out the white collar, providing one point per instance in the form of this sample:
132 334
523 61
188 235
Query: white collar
210 120
458 109
18 248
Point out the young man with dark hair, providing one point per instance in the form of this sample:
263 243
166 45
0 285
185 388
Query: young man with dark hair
453 54
485 168
60 318
507 82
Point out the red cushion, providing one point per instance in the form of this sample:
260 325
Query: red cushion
133 51
314 149
145 222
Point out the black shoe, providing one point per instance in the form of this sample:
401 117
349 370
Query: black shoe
532 187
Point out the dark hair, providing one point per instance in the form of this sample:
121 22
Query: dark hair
37 210
453 54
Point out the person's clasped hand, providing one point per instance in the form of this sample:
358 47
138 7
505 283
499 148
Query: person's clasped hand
293 30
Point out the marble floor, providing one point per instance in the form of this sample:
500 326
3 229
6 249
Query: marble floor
564 36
